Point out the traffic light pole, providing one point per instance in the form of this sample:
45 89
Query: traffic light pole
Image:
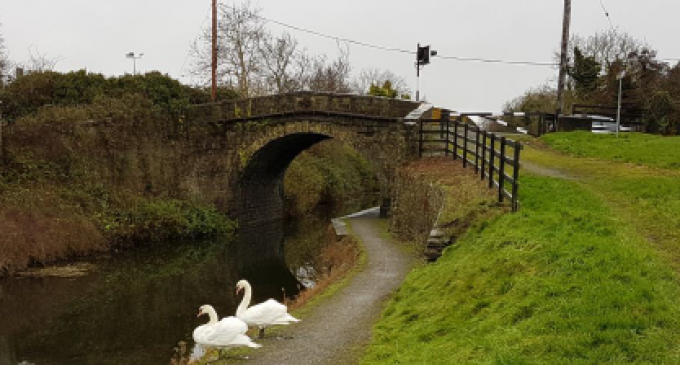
422 58
418 79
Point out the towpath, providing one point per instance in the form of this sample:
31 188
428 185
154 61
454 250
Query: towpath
338 328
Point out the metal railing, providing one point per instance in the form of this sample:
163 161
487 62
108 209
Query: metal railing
494 158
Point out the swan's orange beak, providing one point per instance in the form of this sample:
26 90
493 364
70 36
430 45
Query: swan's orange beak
238 290
200 312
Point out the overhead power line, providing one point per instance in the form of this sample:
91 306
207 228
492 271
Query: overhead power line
399 50
611 24
509 62
606 13
364 44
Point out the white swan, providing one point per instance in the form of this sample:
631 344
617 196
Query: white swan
229 332
261 315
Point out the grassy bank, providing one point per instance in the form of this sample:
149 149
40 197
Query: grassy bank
44 222
54 204
644 196
638 148
570 279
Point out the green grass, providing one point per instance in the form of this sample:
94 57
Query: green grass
636 148
564 281
646 198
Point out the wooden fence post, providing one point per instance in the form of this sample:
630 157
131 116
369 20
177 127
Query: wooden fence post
501 170
446 121
465 146
2 158
515 177
491 161
455 139
420 141
483 154
476 150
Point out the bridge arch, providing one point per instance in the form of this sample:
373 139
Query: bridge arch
274 130
260 185
264 163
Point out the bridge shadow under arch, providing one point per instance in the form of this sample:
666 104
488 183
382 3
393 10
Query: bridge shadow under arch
261 183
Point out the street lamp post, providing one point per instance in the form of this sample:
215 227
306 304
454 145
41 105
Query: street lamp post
618 109
134 60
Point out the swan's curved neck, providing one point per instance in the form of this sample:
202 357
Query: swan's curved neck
212 314
246 300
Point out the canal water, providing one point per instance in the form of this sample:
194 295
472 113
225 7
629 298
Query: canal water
139 306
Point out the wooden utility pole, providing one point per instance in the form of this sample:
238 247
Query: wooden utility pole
563 58
213 94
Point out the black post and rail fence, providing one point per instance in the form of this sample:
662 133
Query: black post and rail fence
495 159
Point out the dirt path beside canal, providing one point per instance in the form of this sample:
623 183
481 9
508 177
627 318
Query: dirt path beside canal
337 329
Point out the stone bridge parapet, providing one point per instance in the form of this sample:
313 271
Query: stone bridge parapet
305 102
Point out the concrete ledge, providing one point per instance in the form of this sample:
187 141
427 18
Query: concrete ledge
340 227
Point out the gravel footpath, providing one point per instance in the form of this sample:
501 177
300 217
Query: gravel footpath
337 329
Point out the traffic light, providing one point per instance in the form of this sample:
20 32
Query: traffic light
423 55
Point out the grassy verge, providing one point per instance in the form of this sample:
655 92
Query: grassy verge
646 198
646 149
563 281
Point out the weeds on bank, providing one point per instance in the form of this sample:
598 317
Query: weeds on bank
341 259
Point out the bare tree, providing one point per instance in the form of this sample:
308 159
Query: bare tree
373 76
240 30
283 64
39 62
607 47
539 99
4 61
330 77
255 62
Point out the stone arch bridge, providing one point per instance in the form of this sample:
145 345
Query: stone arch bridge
232 155
263 135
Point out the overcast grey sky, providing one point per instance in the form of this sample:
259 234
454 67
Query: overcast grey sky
96 35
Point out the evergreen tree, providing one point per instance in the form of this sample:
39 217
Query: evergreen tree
585 72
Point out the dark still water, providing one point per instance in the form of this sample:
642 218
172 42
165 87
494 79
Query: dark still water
137 306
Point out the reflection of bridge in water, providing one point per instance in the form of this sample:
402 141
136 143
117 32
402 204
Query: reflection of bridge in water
261 261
